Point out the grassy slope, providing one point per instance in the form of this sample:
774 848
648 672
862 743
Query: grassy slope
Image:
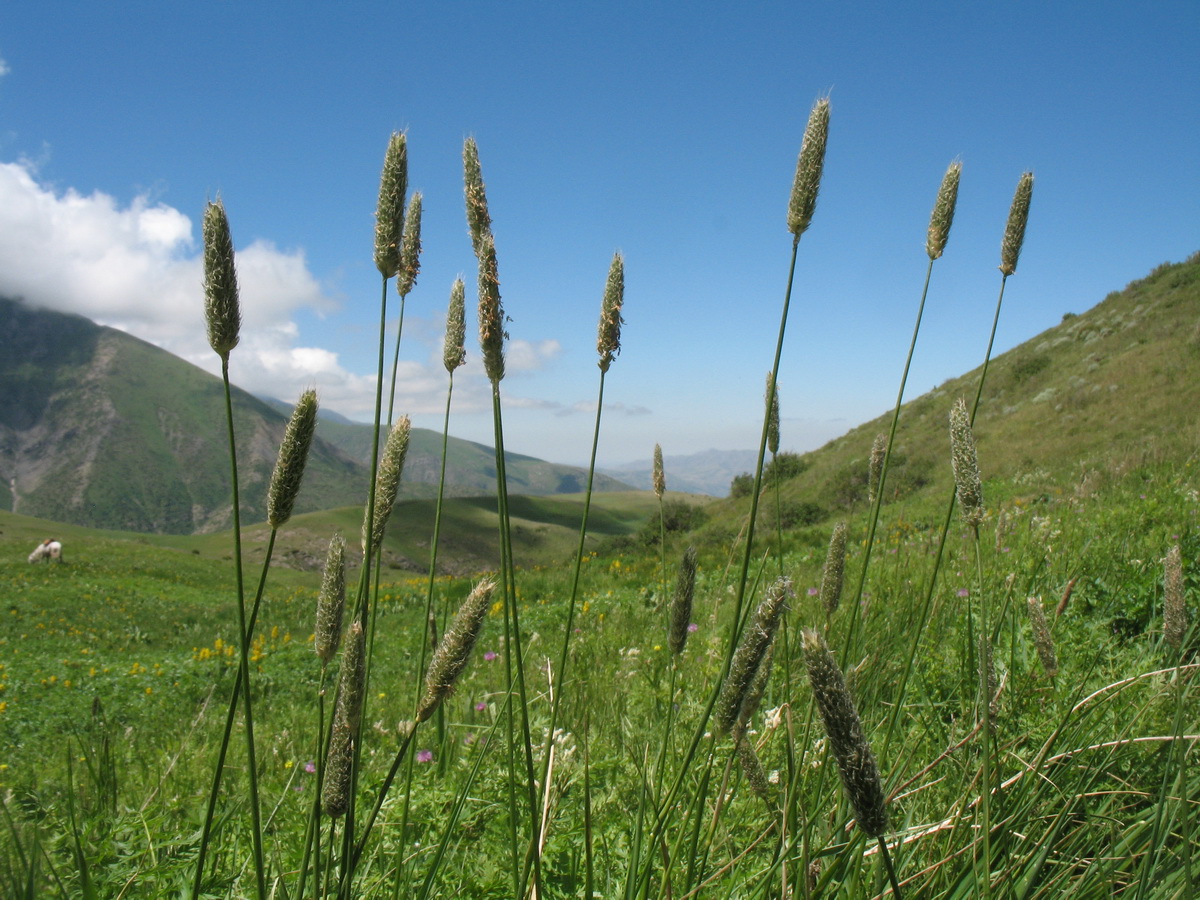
1112 387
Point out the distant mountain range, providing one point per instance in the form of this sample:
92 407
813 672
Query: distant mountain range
102 429
708 472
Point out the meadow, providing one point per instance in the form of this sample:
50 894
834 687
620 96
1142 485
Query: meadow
1007 706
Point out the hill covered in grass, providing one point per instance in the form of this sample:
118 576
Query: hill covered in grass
1096 395
102 429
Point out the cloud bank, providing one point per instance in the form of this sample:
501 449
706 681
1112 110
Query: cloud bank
138 268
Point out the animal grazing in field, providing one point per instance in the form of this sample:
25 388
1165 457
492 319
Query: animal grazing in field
49 549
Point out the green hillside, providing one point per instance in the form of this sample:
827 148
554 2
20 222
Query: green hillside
1099 393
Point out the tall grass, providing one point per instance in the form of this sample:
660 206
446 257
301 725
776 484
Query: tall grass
619 747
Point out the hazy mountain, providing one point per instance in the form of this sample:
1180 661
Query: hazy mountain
708 472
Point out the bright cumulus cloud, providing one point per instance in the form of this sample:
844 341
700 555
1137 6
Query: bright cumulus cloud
138 267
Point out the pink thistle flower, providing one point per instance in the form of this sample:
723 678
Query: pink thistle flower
424 756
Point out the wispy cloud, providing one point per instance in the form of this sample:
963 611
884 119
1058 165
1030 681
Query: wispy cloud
4 69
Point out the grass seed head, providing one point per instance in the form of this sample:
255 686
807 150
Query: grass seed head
811 161
491 313
221 307
965 464
1014 231
452 653
387 480
943 212
833 576
855 761
1174 615
608 341
658 476
681 602
347 714
331 602
454 352
756 775
772 414
479 221
293 455
750 654
410 247
389 214
875 468
1041 637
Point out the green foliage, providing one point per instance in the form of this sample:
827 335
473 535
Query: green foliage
741 486
677 516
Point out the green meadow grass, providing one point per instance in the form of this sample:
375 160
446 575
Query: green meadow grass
577 754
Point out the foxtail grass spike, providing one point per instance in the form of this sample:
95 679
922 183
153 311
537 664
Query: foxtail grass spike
855 761
811 161
389 214
987 663
454 352
756 775
452 653
758 689
1014 231
772 414
331 602
833 576
681 603
966 465
387 480
293 455
1041 636
410 247
750 654
658 476
479 221
875 468
943 212
221 307
608 341
335 794
491 313
1174 615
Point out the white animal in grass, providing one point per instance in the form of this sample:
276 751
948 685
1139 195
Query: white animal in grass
49 549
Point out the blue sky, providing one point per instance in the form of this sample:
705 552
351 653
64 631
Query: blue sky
668 131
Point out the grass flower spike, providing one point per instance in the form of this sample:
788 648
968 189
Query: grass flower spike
1014 231
293 455
833 577
491 313
811 161
389 214
750 655
658 476
1174 616
856 763
681 603
1041 636
966 465
608 341
943 212
772 415
331 602
387 482
221 307
479 220
339 763
410 248
875 468
452 653
454 352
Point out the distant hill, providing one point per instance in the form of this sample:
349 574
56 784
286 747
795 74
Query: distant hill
1102 391
708 472
101 429
470 467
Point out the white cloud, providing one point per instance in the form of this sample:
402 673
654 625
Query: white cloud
4 69
138 268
